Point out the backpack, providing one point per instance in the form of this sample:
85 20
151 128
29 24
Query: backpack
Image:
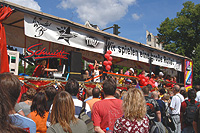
150 108
190 112
155 127
83 116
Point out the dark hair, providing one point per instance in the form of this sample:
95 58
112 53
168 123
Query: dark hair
39 104
30 93
23 97
149 86
145 90
72 87
109 86
192 95
117 95
50 92
162 91
96 92
197 87
9 92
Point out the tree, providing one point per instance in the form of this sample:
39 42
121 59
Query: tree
181 35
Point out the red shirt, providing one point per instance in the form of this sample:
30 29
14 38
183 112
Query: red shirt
38 71
106 112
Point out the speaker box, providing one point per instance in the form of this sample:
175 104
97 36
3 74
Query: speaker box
75 65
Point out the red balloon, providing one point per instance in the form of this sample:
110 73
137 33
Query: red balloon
108 67
109 52
147 79
106 56
109 63
110 58
105 63
145 84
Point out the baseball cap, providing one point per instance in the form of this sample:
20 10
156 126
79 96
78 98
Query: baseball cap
152 73
161 74
132 69
91 66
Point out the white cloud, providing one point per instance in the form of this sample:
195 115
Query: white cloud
27 3
100 12
136 16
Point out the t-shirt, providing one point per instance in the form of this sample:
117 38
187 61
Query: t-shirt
23 122
123 125
106 112
79 127
176 103
96 73
39 121
198 96
38 71
92 101
25 107
197 119
162 108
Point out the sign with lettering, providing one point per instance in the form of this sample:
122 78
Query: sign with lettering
137 53
51 31
188 74
43 54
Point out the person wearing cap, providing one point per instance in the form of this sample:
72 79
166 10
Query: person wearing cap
129 73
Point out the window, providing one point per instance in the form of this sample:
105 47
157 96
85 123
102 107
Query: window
149 38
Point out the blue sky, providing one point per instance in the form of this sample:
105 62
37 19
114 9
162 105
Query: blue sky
133 16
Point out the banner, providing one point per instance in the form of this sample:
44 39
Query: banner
47 30
188 74
134 52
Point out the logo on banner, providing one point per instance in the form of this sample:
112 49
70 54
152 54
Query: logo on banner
43 54
40 27
65 34
91 41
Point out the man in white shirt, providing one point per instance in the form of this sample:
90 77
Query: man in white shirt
197 88
175 107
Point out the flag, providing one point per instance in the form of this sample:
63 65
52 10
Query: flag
138 86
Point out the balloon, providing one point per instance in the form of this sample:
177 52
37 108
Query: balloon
147 79
108 67
109 63
110 58
106 56
109 52
105 63
145 84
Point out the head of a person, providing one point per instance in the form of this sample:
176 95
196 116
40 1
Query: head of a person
39 104
30 93
123 92
134 104
149 86
50 92
63 110
145 90
117 94
96 92
176 89
109 86
89 91
96 67
23 97
197 88
72 87
131 71
121 71
192 95
161 74
183 92
10 89
43 62
166 96
162 91
155 95
143 72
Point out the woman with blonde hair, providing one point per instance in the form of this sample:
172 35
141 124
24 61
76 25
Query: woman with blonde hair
63 116
134 119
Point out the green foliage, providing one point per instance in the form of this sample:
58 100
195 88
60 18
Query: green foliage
181 35
29 69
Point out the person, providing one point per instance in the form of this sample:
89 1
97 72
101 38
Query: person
108 110
50 93
18 109
11 122
96 72
90 73
134 118
39 112
88 94
161 104
129 73
175 107
95 94
153 109
196 122
117 93
185 112
26 105
197 88
41 68
63 118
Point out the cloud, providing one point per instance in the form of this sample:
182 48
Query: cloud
135 16
100 12
27 3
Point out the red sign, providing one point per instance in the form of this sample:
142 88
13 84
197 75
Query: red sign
43 54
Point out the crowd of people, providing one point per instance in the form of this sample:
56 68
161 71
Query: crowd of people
129 110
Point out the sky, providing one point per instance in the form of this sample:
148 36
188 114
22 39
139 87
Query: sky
133 16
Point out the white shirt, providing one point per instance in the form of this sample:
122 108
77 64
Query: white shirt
96 73
176 103
198 96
